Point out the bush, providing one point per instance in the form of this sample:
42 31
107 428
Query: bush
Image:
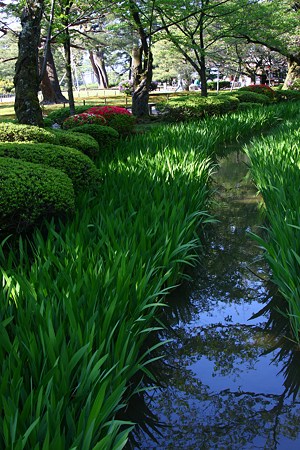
195 107
287 95
222 85
118 118
259 89
15 132
252 97
85 143
60 114
79 168
31 192
81 119
106 137
243 106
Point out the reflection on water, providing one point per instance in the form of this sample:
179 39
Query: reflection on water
228 380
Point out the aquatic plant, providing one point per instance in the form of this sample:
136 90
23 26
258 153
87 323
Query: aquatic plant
275 164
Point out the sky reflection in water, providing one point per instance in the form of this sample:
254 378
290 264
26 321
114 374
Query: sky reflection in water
223 390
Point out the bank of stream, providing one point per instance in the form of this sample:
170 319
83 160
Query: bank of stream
226 384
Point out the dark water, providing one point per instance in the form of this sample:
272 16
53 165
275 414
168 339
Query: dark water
228 381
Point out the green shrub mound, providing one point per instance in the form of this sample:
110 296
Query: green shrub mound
106 137
193 107
259 89
123 124
243 106
31 192
213 85
252 97
79 168
287 95
11 132
83 142
60 114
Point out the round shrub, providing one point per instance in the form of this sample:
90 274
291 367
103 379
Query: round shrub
60 114
11 132
116 117
252 97
259 89
243 106
106 137
81 119
79 168
83 142
283 95
31 192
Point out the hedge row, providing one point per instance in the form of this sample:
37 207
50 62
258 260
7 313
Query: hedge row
193 106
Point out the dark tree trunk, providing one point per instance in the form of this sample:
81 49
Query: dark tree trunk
98 65
26 79
202 60
293 72
67 49
142 67
50 85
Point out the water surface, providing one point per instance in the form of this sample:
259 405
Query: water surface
223 386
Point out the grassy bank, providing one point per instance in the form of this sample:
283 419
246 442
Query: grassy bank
275 166
75 313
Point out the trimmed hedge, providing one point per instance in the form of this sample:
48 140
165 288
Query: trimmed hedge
259 89
11 132
252 97
60 114
106 137
31 192
243 106
193 107
83 142
79 168
287 95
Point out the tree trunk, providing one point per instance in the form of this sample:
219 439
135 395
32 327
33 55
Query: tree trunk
202 59
26 79
50 85
67 49
98 65
293 73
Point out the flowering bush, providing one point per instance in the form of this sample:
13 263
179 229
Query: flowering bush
116 117
107 111
82 119
126 87
260 89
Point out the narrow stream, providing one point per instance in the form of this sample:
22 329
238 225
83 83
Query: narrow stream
226 383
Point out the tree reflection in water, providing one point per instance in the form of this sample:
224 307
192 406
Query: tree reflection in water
228 382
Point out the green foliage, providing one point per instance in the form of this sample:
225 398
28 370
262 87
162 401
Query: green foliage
193 106
252 97
14 132
244 106
60 114
79 168
83 142
6 86
30 193
106 137
259 89
275 164
213 85
287 95
123 124
82 119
